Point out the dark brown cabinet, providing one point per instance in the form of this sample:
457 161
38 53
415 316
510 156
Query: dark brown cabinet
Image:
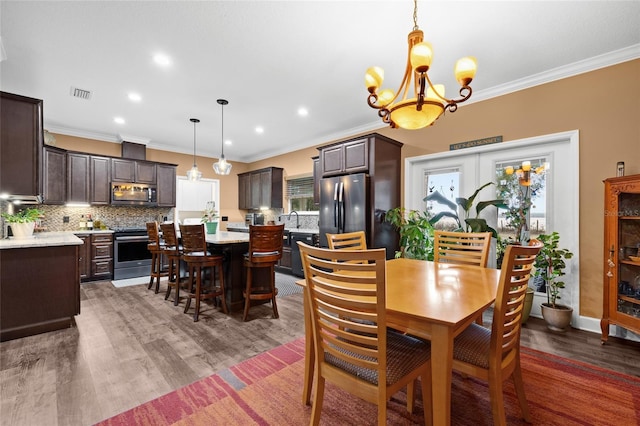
285 260
145 172
101 256
84 256
123 170
21 142
55 171
345 158
100 182
166 177
260 188
77 178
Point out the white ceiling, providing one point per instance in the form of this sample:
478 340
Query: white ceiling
268 58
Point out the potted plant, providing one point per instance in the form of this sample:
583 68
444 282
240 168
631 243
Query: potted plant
416 233
550 265
23 222
209 215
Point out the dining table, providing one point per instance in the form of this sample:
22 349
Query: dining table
429 300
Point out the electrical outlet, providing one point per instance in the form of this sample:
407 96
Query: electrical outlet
65 219
225 218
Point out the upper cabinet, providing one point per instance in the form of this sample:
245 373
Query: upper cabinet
166 177
78 178
100 182
317 175
345 158
21 142
55 172
126 170
260 188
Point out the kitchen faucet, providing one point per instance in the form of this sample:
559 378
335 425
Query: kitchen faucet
297 218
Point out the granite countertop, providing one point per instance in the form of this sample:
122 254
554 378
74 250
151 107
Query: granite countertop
94 231
41 239
291 230
227 237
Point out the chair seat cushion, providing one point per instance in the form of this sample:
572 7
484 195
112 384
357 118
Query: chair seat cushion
263 253
404 353
472 346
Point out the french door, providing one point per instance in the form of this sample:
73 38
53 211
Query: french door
459 173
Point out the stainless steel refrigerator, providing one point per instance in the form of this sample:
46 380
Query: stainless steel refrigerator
346 206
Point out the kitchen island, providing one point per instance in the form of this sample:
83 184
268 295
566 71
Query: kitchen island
232 246
39 284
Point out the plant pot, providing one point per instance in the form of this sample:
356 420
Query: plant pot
22 230
211 227
558 318
528 302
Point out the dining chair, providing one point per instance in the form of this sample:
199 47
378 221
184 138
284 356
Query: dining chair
354 350
494 355
347 241
463 248
198 260
173 250
265 249
157 249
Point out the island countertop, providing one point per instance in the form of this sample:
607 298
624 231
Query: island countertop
227 237
42 239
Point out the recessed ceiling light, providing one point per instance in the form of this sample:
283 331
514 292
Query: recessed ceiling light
134 97
303 112
259 130
118 120
162 60
228 142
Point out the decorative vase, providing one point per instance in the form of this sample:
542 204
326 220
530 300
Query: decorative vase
558 318
22 230
211 227
528 302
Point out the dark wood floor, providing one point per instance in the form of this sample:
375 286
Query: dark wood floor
130 346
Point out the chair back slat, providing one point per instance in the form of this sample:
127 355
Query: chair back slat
153 233
514 279
467 248
169 235
348 305
193 238
265 243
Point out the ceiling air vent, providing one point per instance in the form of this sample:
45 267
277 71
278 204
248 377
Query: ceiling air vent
80 93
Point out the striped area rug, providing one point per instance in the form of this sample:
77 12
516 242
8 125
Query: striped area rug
266 390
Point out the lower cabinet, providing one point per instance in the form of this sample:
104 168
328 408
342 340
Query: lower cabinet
95 256
285 261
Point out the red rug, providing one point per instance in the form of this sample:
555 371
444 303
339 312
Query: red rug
266 390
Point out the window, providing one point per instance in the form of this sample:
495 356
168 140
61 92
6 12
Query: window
441 188
300 194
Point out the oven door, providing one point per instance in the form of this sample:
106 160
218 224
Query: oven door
132 258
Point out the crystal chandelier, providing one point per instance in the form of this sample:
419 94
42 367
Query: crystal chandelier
428 102
222 167
194 174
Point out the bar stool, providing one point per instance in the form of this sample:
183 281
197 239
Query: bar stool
265 249
156 247
173 251
195 255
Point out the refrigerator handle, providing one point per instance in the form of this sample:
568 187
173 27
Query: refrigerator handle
336 207
342 209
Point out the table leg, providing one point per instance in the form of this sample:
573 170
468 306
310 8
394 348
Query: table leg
442 362
309 352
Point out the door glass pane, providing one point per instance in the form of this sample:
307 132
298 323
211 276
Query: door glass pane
440 190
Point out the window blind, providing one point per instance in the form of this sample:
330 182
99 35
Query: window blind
300 187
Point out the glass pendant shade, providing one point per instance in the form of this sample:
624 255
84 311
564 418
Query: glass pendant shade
194 174
373 78
421 56
222 167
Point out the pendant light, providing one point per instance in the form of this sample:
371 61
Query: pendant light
194 174
222 167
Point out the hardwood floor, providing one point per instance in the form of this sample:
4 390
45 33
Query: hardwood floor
130 346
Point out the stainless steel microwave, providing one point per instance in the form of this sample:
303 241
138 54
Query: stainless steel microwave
133 194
